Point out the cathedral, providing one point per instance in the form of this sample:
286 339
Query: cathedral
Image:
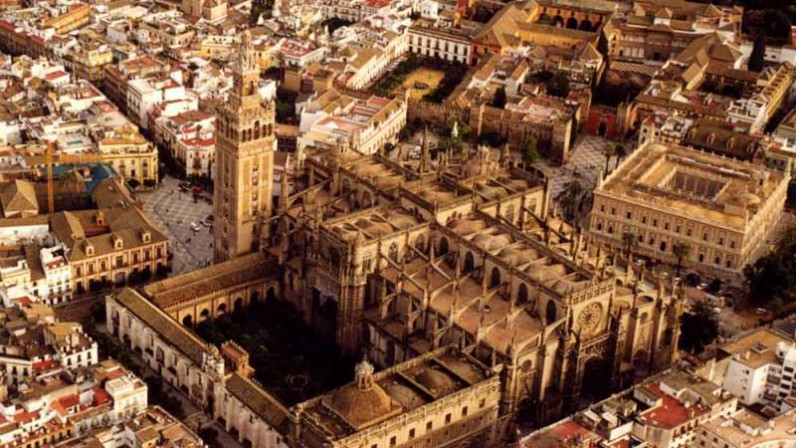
396 260
452 274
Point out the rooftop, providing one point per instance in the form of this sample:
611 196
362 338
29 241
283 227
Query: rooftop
693 183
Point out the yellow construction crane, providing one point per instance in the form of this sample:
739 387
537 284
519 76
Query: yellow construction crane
62 159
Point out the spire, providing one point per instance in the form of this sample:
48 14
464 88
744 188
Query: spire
425 156
283 190
245 60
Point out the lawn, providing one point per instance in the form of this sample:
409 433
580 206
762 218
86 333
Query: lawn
423 75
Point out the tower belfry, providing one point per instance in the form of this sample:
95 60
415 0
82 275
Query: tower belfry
244 161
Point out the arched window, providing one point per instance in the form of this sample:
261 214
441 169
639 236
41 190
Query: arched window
394 252
257 129
443 246
494 280
522 294
552 313
469 262
420 243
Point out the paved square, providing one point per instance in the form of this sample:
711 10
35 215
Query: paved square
174 211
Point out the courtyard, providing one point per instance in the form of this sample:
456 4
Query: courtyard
290 360
174 211
422 81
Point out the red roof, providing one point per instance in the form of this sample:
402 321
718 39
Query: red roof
24 301
57 74
100 396
43 365
671 413
25 417
70 401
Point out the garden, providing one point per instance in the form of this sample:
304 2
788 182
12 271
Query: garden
425 70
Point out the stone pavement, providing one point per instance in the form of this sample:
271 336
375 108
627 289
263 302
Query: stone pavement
174 211
585 164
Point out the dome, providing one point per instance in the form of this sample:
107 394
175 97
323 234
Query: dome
363 401
434 380
360 406
404 395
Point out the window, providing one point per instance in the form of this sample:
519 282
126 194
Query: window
643 219
429 425
464 411
482 403
613 211
412 433
629 215
654 223
393 441
447 418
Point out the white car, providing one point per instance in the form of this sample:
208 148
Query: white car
195 227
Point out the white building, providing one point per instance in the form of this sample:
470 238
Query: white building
39 275
761 368
143 94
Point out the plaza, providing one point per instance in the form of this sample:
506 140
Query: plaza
174 211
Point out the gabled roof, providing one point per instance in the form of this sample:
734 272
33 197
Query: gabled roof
19 196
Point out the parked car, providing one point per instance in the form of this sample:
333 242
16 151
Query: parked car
760 311
195 227
185 186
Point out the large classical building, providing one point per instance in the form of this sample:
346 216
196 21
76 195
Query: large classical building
244 162
665 195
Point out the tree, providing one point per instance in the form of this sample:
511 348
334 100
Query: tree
698 328
681 251
570 197
629 241
209 435
98 312
499 100
558 85
757 58
774 275
610 151
531 153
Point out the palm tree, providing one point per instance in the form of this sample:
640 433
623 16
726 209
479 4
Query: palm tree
610 151
681 251
629 240
570 196
620 153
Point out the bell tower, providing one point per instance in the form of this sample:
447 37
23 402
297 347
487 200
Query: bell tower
245 146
